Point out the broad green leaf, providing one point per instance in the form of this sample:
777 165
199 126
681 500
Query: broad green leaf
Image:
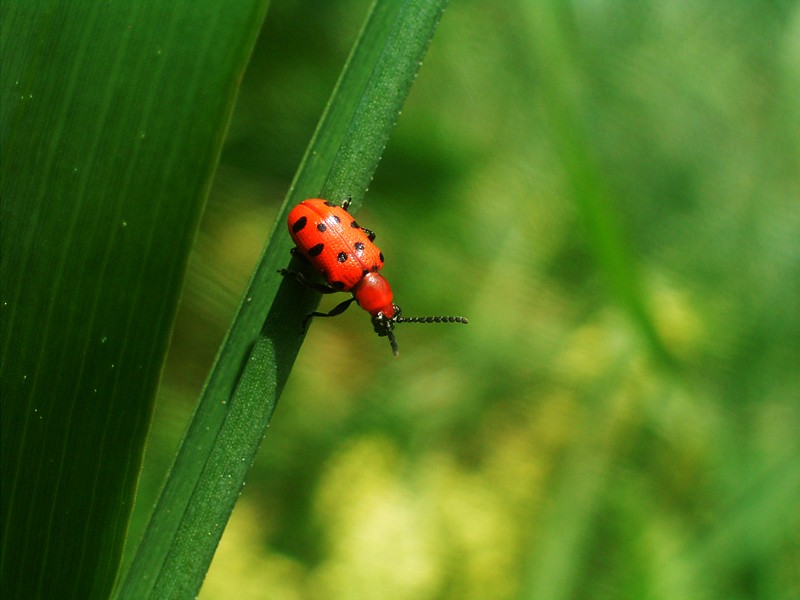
257 356
112 119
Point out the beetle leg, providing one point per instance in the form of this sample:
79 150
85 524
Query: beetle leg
300 278
297 254
346 207
336 310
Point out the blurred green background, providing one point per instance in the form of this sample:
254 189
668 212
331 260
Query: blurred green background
610 191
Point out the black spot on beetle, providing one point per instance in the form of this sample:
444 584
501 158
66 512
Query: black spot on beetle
329 203
355 225
380 257
335 218
321 227
364 272
376 268
359 246
316 250
299 224
341 257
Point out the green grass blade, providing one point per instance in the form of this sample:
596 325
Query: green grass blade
590 189
257 356
112 120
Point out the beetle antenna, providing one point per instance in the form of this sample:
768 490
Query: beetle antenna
398 319
431 320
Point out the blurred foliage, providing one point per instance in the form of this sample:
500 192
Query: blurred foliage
545 451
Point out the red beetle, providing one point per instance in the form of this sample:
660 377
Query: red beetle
343 252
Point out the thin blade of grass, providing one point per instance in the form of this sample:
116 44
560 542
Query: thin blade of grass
590 190
257 356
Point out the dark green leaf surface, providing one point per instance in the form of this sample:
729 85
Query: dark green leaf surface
112 119
256 359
